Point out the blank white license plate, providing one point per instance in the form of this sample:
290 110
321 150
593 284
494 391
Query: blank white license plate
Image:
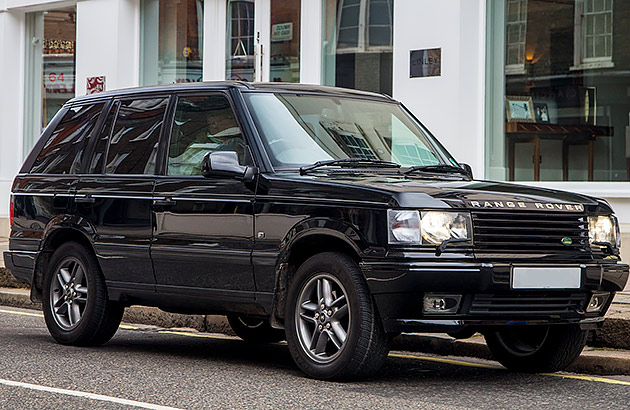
546 278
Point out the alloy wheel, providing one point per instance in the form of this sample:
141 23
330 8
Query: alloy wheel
323 319
69 293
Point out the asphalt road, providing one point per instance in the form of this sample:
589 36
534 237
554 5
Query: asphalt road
156 367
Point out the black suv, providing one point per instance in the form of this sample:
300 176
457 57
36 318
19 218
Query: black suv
330 217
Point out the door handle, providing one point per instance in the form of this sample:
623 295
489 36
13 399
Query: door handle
84 200
163 202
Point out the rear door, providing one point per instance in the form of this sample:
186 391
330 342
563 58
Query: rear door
204 226
115 195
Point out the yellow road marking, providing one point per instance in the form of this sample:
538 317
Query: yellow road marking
588 378
13 312
434 359
175 332
40 315
396 355
447 361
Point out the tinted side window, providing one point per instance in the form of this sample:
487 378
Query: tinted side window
202 125
63 151
97 162
133 144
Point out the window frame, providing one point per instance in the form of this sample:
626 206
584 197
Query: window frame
165 140
580 62
363 29
516 68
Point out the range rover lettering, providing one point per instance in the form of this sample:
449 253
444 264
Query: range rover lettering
329 217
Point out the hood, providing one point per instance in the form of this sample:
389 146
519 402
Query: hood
419 192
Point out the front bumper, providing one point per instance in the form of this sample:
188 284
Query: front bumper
487 299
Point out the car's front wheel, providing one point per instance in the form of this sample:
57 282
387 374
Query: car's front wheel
75 303
537 348
332 326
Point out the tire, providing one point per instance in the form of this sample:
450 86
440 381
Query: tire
316 336
75 303
537 349
255 330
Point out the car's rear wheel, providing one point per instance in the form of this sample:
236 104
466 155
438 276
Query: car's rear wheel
254 330
332 326
537 348
75 303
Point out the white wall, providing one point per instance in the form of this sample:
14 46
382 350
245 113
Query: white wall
108 43
11 104
451 105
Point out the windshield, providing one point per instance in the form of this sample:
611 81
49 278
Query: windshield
300 129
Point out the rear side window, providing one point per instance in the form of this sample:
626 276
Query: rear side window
133 143
64 149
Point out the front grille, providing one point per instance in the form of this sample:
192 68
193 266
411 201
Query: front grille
528 304
522 232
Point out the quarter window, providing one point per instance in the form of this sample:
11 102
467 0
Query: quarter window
64 149
133 144
202 124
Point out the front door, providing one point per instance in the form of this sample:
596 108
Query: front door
263 40
203 234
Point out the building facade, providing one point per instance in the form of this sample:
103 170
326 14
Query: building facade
533 91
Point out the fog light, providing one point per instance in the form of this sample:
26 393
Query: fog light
440 304
597 302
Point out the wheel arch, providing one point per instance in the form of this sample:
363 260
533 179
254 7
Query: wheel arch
299 248
59 231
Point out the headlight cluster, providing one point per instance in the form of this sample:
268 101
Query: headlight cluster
604 229
427 227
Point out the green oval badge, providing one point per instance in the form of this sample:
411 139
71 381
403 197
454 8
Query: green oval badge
566 241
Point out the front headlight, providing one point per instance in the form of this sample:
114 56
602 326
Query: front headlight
604 229
428 227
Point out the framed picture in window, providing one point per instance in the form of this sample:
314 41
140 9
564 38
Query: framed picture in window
519 108
541 112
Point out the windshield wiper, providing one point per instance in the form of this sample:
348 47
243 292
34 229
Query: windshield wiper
349 162
443 168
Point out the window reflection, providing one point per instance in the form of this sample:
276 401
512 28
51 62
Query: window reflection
357 44
134 140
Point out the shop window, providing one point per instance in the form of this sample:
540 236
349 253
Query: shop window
49 68
559 120
285 41
516 29
171 41
240 40
357 44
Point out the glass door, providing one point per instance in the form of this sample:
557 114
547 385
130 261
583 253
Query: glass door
263 40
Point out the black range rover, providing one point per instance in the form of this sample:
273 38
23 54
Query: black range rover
330 217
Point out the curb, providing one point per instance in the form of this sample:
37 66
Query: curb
592 361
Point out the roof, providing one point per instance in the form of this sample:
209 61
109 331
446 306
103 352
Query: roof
244 86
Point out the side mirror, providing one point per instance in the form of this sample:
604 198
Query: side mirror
468 170
225 164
